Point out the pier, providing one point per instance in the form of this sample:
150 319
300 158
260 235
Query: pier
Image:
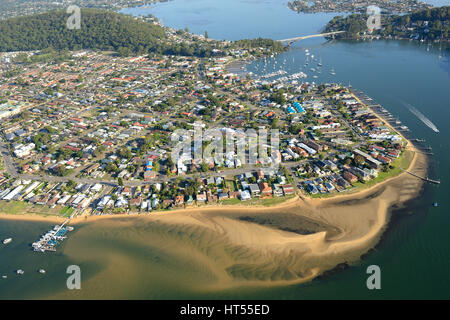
49 240
423 178
396 124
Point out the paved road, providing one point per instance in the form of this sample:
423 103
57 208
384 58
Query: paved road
7 160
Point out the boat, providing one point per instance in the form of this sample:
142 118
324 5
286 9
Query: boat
332 72
6 241
20 271
4 276
48 241
41 271
320 63
435 204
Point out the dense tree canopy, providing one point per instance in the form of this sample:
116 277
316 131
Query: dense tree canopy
104 30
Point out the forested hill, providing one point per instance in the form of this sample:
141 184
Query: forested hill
107 30
100 29
431 24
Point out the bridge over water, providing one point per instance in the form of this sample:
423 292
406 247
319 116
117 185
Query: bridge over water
292 40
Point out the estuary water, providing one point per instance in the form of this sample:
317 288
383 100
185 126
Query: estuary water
414 253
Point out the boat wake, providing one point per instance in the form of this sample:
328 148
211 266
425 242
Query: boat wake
421 117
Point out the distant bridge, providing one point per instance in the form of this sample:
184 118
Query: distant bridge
292 40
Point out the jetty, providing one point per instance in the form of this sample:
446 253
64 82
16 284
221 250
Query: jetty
423 178
50 240
394 123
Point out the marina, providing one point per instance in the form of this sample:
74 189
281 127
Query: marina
52 238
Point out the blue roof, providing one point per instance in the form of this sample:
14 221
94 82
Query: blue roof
312 188
291 110
298 106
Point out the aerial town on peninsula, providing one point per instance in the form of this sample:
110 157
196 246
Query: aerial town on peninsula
224 150
90 134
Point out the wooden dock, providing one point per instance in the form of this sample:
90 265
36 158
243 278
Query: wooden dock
423 178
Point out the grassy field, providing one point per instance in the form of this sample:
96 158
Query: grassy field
66 211
231 185
13 207
257 202
22 207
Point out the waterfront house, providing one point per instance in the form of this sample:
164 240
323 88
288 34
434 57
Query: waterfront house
179 200
245 195
201 197
265 189
223 196
288 189
350 177
254 189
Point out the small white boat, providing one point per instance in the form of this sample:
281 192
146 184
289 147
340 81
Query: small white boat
20 271
4 276
41 271
6 241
